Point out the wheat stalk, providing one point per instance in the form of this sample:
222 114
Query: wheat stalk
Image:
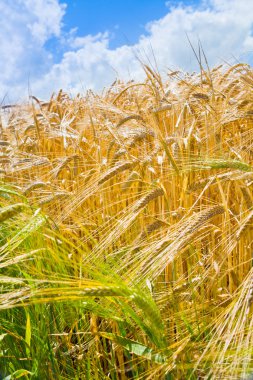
247 220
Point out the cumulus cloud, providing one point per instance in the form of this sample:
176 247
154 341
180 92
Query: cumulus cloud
45 18
26 26
223 26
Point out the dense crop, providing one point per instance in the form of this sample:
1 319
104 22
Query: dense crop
126 231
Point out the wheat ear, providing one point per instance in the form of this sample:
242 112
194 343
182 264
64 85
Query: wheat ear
158 192
10 211
115 170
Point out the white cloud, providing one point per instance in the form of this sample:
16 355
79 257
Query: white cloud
46 18
26 25
223 26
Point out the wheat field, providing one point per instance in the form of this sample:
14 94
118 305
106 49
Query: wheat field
126 231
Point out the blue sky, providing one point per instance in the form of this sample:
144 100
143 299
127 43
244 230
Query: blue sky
46 45
125 20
